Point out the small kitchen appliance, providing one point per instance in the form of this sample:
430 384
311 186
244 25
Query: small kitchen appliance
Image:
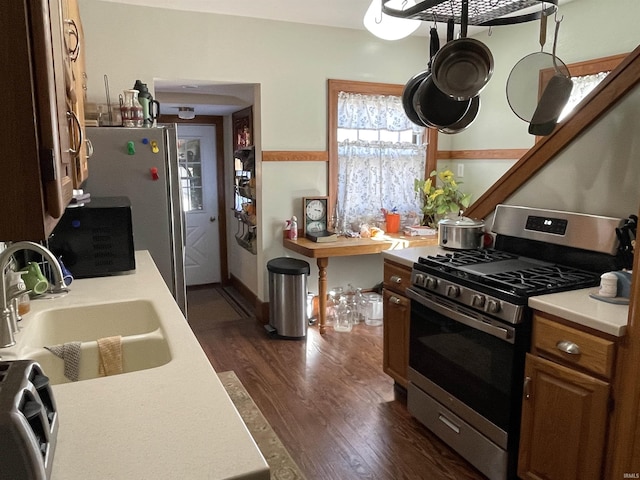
28 421
470 325
96 239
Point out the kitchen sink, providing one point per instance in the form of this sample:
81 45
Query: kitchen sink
144 344
139 352
91 322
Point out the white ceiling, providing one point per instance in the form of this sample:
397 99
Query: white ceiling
336 13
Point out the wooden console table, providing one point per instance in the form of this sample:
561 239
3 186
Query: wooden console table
345 247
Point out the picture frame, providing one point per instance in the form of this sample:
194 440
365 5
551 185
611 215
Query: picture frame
242 121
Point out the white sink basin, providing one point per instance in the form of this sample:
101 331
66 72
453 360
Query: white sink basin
86 323
144 345
139 352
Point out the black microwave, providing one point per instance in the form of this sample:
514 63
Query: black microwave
95 239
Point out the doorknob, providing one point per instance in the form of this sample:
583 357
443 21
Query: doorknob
212 219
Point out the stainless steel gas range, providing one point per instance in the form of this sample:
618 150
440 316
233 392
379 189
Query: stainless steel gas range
471 327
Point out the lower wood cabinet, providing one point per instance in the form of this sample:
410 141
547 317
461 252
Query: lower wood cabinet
395 361
566 403
397 312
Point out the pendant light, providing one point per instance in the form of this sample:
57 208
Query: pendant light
387 27
186 113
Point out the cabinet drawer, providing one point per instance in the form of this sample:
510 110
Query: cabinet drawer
574 347
396 277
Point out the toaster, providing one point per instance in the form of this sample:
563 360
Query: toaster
28 421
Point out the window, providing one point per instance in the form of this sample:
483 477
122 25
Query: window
190 171
376 153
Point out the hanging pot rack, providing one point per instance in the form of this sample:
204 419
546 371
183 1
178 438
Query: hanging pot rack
484 13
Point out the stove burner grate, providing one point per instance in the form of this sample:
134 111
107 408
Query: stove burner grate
543 279
466 257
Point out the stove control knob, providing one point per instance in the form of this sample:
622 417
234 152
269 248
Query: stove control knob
493 306
431 283
453 291
478 301
418 279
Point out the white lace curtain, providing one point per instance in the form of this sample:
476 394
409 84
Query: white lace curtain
373 175
372 112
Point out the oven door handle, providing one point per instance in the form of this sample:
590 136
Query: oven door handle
498 332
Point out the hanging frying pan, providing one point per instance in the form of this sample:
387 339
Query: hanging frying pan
466 120
554 97
414 82
463 67
437 109
474 108
524 82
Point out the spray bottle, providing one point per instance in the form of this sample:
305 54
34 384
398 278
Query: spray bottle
293 230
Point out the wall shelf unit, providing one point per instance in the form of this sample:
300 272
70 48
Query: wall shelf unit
245 198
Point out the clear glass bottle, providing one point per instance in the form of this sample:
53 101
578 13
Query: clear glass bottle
332 303
344 320
131 110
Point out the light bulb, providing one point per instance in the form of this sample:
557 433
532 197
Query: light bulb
387 27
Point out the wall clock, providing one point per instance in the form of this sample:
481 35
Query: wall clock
314 214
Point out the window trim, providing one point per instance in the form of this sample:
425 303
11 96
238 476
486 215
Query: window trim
366 88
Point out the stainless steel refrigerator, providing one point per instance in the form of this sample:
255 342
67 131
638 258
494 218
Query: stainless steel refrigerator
142 164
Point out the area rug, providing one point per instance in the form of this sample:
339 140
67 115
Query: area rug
209 306
280 462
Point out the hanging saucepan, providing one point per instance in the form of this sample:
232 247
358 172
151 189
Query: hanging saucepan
414 82
525 83
437 109
554 97
463 67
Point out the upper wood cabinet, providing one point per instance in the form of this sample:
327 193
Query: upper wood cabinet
35 136
76 84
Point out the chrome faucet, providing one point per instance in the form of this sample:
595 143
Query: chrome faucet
8 312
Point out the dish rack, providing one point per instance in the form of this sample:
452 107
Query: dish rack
486 13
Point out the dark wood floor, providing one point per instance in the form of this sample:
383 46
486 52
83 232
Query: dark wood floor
330 403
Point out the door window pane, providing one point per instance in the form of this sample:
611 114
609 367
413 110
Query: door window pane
190 170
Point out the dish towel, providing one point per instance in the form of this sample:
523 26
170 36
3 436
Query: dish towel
110 350
70 353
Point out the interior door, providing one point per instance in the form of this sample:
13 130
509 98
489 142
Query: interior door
198 182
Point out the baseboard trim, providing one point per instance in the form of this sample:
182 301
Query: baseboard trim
260 308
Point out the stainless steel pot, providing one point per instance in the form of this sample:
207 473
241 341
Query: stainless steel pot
460 233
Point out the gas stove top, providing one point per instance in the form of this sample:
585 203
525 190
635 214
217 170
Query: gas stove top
515 276
536 252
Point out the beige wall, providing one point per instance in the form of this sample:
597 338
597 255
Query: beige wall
291 64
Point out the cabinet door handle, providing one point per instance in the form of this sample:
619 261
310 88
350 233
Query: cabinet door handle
395 300
73 33
568 347
395 279
526 389
75 150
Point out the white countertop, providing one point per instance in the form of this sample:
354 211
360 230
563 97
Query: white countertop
408 256
575 306
578 307
169 422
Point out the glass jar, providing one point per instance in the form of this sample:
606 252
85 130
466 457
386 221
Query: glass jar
131 109
344 320
332 303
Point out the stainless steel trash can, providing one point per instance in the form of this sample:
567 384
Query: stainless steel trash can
288 296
